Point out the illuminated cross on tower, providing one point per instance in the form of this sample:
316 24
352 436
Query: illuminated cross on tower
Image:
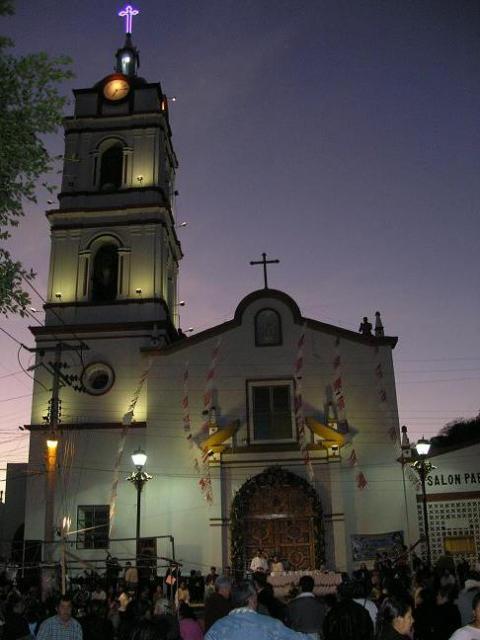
264 261
128 14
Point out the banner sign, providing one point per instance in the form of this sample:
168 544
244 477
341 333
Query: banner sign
366 546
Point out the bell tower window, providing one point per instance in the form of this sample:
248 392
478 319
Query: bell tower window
111 168
105 274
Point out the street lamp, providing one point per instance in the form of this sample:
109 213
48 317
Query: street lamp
138 478
423 467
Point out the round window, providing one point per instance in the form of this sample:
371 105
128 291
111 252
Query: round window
98 378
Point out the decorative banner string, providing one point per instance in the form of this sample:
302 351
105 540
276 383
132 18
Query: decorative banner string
205 481
299 417
187 425
382 396
337 387
338 394
126 421
209 385
352 459
362 482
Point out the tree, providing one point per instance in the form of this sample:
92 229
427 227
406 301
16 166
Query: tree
458 432
30 107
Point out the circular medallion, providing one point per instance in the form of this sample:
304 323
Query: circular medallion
98 378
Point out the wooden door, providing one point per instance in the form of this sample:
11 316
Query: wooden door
280 521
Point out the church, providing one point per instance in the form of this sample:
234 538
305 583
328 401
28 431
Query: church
270 431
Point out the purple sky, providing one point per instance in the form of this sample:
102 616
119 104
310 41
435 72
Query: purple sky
341 137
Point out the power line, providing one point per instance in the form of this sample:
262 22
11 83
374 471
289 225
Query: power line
13 373
26 395
12 337
82 342
26 372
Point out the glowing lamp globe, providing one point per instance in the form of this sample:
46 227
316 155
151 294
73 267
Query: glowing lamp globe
422 447
139 458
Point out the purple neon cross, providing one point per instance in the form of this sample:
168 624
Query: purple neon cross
128 14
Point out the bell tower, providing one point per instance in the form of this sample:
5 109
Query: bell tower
115 252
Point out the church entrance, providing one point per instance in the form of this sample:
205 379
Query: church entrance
279 512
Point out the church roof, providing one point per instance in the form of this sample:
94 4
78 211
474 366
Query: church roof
316 325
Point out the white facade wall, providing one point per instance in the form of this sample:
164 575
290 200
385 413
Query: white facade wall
172 501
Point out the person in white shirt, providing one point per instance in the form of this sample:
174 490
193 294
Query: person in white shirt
99 594
259 562
470 631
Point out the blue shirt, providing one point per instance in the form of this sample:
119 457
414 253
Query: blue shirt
54 629
245 623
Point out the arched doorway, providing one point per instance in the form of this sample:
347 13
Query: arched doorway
281 513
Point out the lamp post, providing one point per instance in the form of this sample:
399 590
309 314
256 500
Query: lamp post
138 478
423 467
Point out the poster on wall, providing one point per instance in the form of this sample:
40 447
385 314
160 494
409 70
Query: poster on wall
366 546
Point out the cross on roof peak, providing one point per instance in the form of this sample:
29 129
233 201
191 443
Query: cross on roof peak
128 12
264 262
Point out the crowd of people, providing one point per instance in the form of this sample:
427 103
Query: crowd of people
390 601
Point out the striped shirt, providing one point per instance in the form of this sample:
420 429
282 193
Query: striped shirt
55 629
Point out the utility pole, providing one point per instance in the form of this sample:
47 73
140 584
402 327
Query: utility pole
51 437
51 442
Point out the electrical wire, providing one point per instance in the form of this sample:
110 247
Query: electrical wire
26 395
26 372
13 373
82 342
12 337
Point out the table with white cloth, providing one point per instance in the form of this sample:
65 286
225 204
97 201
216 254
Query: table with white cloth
325 581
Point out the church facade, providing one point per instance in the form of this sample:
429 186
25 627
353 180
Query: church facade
271 430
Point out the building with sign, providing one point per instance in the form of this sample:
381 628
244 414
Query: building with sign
453 502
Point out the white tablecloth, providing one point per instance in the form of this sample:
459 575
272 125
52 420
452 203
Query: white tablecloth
325 581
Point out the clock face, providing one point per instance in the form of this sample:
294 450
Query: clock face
116 89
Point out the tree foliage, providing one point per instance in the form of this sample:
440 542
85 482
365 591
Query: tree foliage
30 107
458 432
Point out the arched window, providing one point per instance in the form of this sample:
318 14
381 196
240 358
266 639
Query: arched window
268 328
105 274
111 167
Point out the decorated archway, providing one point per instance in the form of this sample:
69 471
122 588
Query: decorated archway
281 513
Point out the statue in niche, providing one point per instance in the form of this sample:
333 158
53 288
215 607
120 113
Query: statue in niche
268 328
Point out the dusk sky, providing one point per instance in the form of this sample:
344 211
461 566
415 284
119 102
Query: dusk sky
341 137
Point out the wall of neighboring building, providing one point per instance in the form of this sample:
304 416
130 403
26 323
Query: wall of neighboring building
14 509
453 501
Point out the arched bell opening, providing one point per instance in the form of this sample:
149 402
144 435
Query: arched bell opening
105 274
111 168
